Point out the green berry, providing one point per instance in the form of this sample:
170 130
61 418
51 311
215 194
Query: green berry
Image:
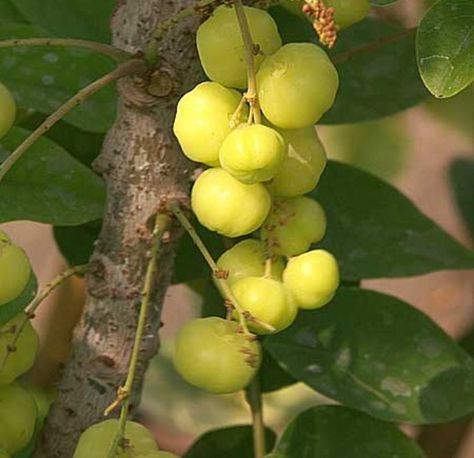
348 12
293 225
252 153
212 354
312 278
297 85
221 48
302 165
7 110
225 205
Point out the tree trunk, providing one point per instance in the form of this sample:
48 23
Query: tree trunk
142 167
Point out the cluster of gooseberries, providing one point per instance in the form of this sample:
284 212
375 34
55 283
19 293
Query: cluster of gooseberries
261 169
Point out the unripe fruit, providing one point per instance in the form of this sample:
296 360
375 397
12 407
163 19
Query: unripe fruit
252 153
26 347
312 278
17 418
4 454
348 12
221 48
15 271
212 355
297 85
302 165
267 301
4 237
293 225
7 110
96 440
203 120
247 259
158 454
225 205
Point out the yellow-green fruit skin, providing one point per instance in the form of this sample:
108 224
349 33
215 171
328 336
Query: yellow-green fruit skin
96 440
303 163
267 301
203 120
15 271
293 225
157 454
348 12
225 205
4 237
24 356
221 49
17 417
247 259
4 454
297 85
212 355
252 153
312 278
7 110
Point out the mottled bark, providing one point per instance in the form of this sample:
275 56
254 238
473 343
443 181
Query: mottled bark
142 167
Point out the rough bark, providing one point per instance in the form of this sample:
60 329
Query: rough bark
142 167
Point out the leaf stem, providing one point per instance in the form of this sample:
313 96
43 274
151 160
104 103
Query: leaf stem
36 302
133 66
116 54
254 400
123 396
250 49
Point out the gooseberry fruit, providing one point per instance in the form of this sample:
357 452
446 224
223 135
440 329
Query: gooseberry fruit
4 237
158 454
19 361
211 354
96 440
293 225
252 153
303 163
203 120
247 259
221 48
17 417
15 271
312 278
297 85
267 301
348 12
225 205
7 110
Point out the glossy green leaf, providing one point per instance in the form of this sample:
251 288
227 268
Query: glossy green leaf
445 47
48 185
14 307
339 432
76 243
230 442
382 2
44 78
375 231
9 12
88 19
377 354
272 377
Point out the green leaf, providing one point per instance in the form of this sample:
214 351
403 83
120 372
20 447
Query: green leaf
382 2
272 377
48 185
375 231
14 307
379 355
445 47
44 78
76 243
88 19
230 442
338 432
9 13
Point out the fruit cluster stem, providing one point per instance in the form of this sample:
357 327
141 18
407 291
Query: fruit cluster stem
250 50
254 399
130 67
162 222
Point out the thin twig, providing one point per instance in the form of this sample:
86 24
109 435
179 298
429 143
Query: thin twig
133 66
123 396
254 399
116 54
35 303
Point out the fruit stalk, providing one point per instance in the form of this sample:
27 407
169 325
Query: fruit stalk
123 395
250 49
130 67
254 399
